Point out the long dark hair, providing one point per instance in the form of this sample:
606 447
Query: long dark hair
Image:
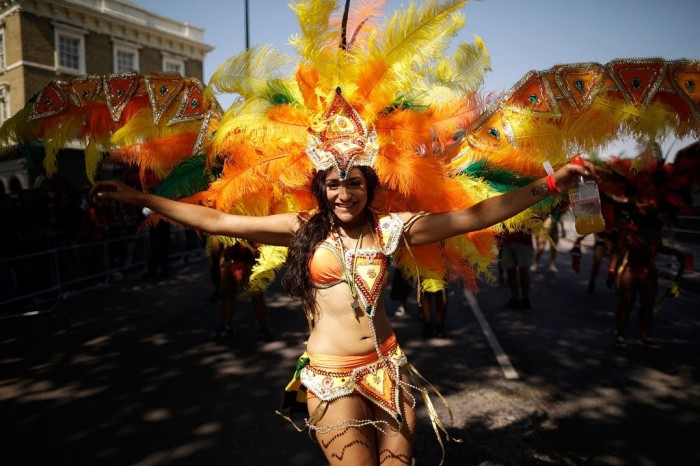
296 280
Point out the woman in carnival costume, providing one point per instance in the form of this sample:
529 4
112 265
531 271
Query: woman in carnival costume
358 381
377 146
362 155
647 193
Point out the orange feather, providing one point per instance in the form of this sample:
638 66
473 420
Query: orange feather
307 81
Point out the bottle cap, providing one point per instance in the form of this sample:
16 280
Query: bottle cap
578 160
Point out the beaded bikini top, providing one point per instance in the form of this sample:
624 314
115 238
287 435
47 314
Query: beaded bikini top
365 269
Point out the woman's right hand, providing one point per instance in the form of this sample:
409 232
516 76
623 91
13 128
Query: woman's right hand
114 190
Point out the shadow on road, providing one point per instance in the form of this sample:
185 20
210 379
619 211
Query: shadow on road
132 375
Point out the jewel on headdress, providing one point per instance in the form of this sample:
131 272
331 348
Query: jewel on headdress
343 140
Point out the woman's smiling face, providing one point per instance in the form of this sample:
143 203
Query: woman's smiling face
348 198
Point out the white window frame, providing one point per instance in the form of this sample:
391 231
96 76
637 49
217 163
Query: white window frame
4 102
170 59
3 54
125 47
71 33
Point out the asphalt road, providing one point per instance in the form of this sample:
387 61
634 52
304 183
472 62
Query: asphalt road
131 375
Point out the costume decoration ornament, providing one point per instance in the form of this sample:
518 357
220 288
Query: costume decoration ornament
344 141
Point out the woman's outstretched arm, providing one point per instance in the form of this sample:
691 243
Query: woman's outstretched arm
437 227
271 229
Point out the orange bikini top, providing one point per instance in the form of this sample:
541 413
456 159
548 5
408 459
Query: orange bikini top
326 265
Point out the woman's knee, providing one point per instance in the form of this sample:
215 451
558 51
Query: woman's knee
396 448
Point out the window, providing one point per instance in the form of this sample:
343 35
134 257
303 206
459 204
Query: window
126 61
4 102
70 50
172 64
126 58
2 49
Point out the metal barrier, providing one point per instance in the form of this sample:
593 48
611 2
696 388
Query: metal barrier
36 283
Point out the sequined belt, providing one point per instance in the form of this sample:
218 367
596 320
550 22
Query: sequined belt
330 378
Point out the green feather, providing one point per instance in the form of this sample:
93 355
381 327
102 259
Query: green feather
186 178
406 102
497 178
278 93
505 181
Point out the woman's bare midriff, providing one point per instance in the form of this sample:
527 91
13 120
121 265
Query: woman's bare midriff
342 331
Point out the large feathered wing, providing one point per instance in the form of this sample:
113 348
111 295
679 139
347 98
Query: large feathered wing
582 108
153 122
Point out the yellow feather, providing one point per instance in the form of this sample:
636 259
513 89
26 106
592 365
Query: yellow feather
247 74
269 262
141 128
464 74
57 136
16 129
413 36
316 31
433 285
93 157
254 122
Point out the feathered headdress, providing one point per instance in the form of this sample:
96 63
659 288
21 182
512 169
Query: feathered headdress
649 179
390 97
405 107
385 97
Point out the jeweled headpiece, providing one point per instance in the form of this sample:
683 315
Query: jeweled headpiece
343 141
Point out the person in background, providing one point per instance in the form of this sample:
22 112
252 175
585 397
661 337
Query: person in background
400 290
517 254
235 264
434 317
602 248
214 256
633 270
553 229
159 248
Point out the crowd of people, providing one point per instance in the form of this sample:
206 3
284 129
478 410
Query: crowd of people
630 248
55 219
55 215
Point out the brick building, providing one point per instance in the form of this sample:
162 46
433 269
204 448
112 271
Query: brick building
46 40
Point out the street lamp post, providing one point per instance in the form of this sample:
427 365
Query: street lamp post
247 29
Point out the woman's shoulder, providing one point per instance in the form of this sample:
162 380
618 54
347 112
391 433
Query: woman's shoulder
391 226
388 220
403 217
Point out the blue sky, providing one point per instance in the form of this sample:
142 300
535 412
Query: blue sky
521 35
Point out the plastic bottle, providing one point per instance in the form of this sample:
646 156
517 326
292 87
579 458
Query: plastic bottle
585 203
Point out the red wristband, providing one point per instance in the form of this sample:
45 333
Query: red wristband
551 185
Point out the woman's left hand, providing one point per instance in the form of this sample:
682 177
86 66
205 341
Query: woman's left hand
565 176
